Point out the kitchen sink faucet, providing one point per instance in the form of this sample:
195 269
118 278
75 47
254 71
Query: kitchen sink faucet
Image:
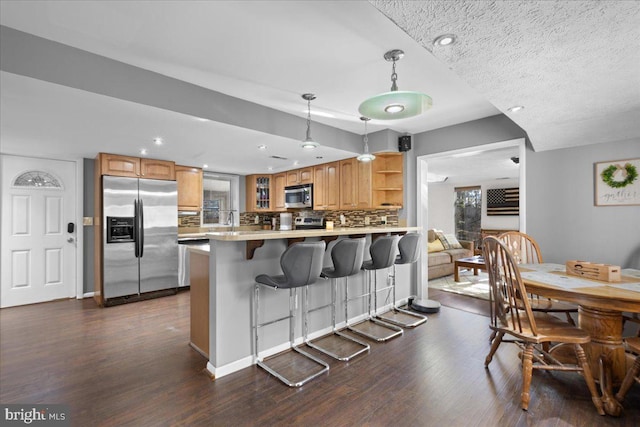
230 221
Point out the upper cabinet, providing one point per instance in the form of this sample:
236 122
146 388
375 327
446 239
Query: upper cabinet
355 184
344 185
279 182
300 176
259 193
116 165
113 164
326 186
189 180
388 180
157 169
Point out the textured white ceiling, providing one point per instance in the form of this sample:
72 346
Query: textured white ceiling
573 65
474 167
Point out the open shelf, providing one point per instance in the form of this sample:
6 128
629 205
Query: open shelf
389 171
388 180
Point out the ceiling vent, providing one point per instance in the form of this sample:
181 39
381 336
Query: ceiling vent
278 157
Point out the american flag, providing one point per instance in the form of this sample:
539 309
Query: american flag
503 201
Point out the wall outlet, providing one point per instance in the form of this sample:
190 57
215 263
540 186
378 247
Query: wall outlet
383 219
367 220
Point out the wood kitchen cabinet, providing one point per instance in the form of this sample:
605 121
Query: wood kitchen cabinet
259 193
388 180
355 184
300 176
117 165
199 280
157 169
189 180
326 186
279 182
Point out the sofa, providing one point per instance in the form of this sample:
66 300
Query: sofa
440 258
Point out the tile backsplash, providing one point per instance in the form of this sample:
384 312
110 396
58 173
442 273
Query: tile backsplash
188 220
353 218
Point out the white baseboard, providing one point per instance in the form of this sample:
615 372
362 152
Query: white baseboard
87 295
230 368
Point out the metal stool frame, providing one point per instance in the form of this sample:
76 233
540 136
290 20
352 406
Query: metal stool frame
382 252
347 257
409 247
292 280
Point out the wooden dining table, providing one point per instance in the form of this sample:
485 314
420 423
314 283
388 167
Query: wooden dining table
600 308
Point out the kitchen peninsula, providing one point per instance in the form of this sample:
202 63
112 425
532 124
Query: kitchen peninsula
237 257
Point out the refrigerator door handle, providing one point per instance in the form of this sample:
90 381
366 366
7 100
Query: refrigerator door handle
141 209
135 229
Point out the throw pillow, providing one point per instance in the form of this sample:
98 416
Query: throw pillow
435 246
443 240
452 241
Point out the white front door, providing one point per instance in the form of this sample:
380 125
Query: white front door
38 250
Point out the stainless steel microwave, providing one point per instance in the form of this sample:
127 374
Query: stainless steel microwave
298 196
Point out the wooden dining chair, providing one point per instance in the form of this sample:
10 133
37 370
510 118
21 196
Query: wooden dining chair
632 318
512 315
525 250
633 344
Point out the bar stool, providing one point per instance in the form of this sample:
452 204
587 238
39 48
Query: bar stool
347 256
409 248
383 254
301 264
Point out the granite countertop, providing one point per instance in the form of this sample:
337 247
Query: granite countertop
294 234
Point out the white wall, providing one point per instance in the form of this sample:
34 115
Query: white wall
441 198
560 207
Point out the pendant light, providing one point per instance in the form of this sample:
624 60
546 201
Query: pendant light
366 156
309 143
395 104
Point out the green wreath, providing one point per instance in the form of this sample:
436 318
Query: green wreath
629 170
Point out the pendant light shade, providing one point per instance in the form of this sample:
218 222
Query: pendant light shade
309 143
395 104
366 156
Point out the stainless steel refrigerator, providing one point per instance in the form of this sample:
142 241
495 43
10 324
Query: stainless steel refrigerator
140 229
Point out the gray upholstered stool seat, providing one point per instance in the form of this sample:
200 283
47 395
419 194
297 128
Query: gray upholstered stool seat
409 248
301 264
383 255
347 256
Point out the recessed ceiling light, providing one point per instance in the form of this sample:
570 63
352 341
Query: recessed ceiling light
515 108
157 141
296 163
205 166
262 147
270 168
143 151
445 40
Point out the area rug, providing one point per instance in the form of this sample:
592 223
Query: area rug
470 285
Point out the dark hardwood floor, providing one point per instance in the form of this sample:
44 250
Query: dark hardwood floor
131 365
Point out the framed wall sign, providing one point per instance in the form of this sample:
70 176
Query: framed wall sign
617 183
